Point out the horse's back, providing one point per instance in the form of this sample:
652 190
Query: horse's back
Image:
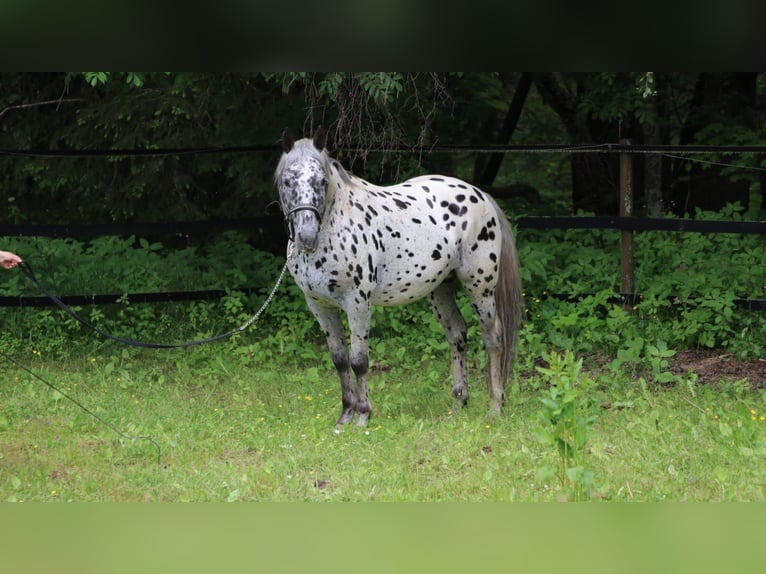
429 227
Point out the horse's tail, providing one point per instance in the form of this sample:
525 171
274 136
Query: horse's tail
509 299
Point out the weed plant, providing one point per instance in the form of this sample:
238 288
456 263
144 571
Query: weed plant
566 417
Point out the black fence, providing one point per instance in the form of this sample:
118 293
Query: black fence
273 224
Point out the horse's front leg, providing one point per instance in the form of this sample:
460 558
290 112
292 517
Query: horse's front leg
359 325
329 320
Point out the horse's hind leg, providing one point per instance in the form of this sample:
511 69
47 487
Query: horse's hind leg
491 331
329 320
447 312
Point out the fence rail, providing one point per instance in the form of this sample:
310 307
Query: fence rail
627 298
275 222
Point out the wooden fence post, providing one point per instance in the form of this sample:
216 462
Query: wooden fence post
626 235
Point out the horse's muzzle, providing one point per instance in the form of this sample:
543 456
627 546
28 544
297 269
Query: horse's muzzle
303 224
306 239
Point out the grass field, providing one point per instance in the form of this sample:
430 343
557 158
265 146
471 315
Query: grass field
232 429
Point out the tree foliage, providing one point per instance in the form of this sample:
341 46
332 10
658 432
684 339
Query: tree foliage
369 115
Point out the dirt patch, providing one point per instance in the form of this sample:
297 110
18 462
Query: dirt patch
714 365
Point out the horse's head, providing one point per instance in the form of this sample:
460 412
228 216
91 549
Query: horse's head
302 182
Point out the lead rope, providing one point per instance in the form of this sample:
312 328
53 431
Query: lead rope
77 403
27 270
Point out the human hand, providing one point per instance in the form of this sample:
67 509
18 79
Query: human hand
9 260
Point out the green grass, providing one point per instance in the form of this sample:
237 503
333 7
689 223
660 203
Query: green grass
239 429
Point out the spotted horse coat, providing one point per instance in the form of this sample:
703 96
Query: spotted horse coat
354 244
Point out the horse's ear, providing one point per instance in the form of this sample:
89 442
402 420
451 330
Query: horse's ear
320 138
287 140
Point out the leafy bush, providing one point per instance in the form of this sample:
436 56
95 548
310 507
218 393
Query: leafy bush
689 283
120 266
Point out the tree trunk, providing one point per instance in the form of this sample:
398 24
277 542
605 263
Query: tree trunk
486 170
653 172
594 175
719 98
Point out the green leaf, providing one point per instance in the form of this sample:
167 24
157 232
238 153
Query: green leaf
543 436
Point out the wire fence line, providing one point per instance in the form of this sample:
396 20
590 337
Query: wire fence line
435 148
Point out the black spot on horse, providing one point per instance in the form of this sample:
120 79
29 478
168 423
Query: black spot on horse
436 255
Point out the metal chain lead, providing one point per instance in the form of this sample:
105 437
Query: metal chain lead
260 311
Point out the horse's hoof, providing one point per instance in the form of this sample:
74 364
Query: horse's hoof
346 417
362 418
495 410
461 396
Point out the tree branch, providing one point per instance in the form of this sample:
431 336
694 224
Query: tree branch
36 104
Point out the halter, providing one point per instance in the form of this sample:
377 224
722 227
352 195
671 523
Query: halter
289 222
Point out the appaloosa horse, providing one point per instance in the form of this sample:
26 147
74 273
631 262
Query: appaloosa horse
355 244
